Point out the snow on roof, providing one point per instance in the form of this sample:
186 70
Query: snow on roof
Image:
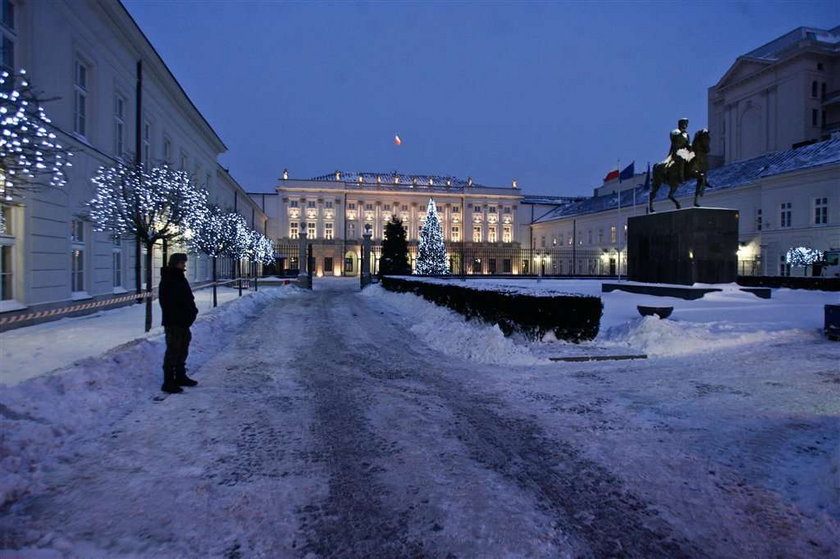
388 178
772 50
735 174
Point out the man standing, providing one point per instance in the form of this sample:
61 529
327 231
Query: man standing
179 311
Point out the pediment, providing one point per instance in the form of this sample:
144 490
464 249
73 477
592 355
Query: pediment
742 68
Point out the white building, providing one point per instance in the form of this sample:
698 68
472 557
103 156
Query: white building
785 200
484 226
112 96
778 96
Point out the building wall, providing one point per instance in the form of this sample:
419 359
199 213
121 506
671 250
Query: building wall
763 237
765 105
51 40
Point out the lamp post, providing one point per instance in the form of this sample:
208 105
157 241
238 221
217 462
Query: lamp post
303 277
365 275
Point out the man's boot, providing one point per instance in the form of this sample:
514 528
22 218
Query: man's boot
169 383
181 378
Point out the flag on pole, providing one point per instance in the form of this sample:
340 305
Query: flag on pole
628 172
397 140
611 175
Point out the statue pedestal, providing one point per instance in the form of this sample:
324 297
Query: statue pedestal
692 245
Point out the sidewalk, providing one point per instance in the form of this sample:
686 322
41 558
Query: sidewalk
34 350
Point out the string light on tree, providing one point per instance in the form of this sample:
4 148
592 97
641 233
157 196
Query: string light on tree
431 251
151 205
30 155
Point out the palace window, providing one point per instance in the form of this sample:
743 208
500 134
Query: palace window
351 206
7 249
785 214
386 208
613 234
821 211
491 209
119 126
147 143
456 209
600 236
328 204
77 255
506 210
758 222
589 237
814 116
328 264
368 207
351 230
491 234
507 236
293 230
116 260
542 241
310 230
491 265
167 151
328 231
294 204
456 233
814 86
310 204
80 94
507 266
477 234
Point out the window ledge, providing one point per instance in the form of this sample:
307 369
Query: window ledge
80 296
119 290
11 305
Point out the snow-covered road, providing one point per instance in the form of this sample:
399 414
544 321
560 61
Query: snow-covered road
327 428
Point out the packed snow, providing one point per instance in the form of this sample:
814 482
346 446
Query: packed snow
334 422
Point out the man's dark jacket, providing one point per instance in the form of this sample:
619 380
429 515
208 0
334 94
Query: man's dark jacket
176 298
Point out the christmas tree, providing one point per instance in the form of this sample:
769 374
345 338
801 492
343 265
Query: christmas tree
394 259
431 252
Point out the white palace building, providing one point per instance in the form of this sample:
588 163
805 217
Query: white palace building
774 119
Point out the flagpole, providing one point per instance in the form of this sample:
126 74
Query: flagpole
618 227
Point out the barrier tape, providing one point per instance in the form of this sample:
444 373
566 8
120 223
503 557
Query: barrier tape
246 284
73 308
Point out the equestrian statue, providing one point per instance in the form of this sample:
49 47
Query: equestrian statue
686 160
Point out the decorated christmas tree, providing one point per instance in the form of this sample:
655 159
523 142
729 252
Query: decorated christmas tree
431 252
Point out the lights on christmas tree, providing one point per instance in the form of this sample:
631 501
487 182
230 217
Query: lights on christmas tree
431 251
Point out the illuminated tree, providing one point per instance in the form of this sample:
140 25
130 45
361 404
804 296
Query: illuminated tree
30 155
151 205
431 252
219 233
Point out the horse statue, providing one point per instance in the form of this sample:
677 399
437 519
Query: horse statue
696 166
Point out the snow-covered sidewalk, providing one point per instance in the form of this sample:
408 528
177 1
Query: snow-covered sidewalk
34 350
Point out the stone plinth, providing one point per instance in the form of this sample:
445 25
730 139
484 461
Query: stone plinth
693 245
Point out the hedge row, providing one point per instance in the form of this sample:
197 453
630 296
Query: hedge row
571 317
791 282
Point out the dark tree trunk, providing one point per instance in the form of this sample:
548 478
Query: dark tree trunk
138 266
150 252
215 302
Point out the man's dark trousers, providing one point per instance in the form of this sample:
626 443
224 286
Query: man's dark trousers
177 348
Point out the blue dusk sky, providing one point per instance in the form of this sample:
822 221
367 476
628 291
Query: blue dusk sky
550 93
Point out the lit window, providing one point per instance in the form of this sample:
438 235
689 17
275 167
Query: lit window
613 232
456 233
328 231
491 234
293 230
310 230
477 234
77 255
507 236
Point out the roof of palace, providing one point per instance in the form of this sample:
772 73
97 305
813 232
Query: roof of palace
774 49
739 173
369 177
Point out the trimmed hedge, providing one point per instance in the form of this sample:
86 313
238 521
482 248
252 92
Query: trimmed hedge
571 317
791 282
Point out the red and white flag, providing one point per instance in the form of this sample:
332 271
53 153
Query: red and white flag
397 140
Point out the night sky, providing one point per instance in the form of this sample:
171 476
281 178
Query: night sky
549 93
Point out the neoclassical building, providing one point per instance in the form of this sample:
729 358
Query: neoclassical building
778 96
485 227
112 97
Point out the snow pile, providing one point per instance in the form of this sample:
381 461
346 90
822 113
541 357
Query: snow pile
38 417
450 333
669 338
